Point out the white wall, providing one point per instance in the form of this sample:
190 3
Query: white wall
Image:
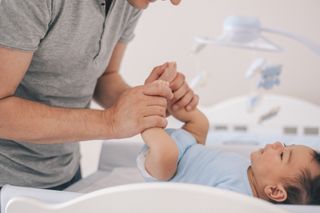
165 33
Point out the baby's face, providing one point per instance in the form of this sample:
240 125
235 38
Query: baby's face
275 161
143 4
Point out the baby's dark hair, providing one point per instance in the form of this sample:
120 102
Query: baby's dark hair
304 189
315 185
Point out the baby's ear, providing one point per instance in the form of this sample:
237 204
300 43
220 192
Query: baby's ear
276 193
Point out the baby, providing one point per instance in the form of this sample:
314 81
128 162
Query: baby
277 173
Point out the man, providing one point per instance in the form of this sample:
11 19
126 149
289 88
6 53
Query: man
55 56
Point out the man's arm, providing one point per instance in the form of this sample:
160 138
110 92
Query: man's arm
28 121
111 85
24 120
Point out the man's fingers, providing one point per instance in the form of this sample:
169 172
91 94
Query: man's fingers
156 73
158 88
156 101
165 72
170 72
154 121
155 110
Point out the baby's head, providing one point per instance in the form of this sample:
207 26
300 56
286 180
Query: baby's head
286 174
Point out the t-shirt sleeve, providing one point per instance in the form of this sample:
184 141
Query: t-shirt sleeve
128 32
23 23
183 139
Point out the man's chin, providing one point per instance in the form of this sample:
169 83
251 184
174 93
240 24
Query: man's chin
175 2
139 5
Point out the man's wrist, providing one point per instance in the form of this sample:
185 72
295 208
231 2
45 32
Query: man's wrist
110 131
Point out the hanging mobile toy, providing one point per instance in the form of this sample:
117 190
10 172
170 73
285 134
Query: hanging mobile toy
270 76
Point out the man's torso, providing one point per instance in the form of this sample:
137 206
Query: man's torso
68 59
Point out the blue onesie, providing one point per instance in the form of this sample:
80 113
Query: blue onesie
199 165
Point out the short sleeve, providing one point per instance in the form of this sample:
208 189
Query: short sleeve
128 32
183 139
23 23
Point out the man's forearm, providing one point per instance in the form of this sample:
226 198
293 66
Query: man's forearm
109 87
27 121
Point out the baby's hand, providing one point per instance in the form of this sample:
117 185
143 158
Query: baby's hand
166 72
184 96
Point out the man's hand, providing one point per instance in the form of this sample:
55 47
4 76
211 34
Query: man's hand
138 109
184 97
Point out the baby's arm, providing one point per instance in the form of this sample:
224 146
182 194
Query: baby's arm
195 121
162 157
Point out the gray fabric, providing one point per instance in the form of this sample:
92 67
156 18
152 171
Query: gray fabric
72 42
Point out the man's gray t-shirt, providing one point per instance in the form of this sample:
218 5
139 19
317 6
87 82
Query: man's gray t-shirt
72 42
